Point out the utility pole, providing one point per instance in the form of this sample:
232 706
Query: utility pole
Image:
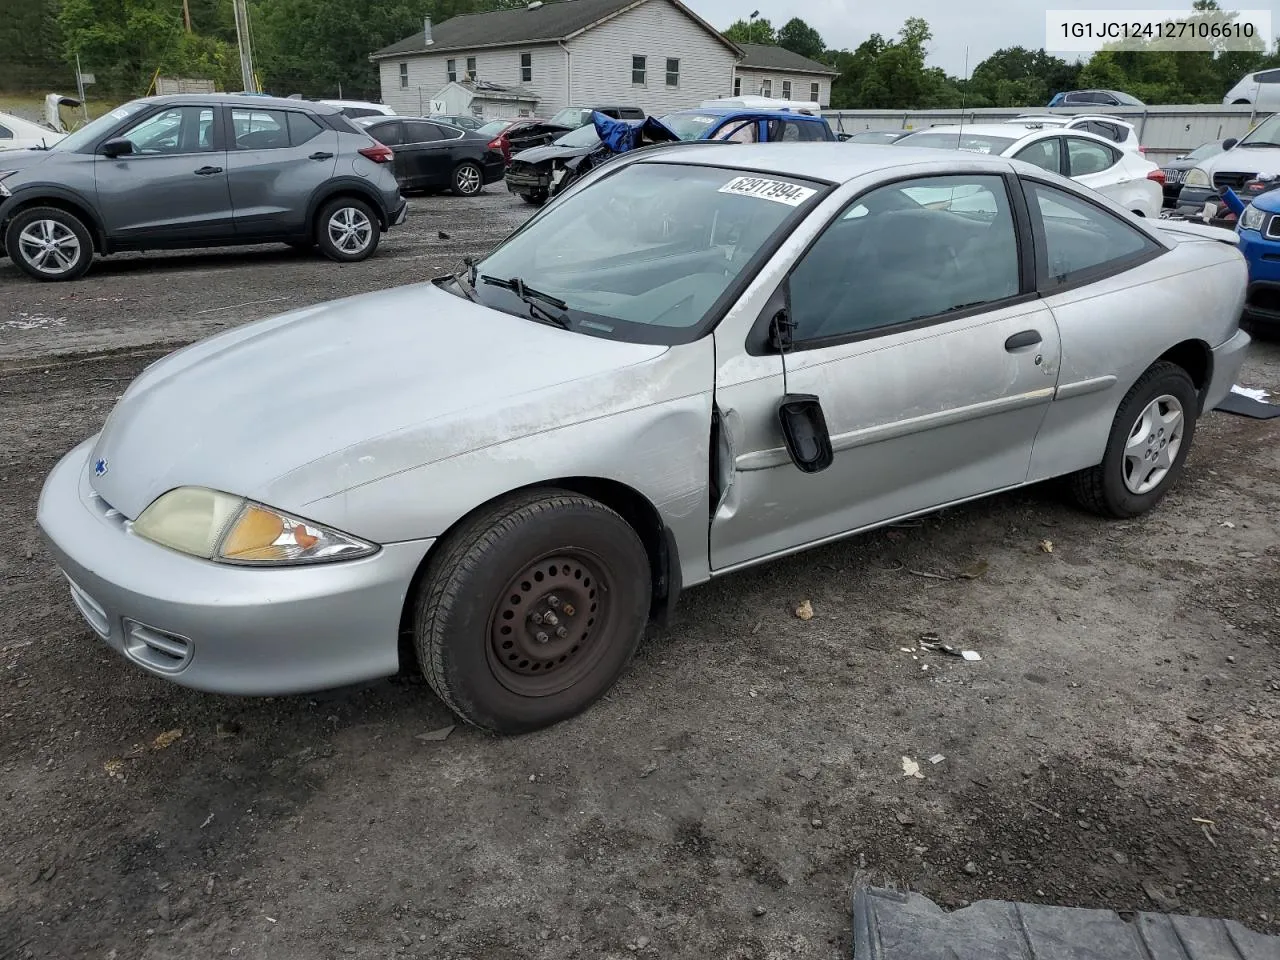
186 15
246 49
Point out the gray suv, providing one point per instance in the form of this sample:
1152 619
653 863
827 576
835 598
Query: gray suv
198 171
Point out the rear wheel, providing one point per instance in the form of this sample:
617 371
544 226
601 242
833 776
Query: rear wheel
468 179
1149 442
49 243
531 611
535 199
347 230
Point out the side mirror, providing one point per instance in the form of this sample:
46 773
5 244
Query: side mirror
118 147
805 430
1228 143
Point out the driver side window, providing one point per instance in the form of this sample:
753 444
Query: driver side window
173 131
907 252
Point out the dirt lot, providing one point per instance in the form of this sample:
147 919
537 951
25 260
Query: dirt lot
1116 745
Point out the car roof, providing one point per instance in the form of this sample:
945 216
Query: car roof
833 162
240 100
1010 132
743 112
1065 118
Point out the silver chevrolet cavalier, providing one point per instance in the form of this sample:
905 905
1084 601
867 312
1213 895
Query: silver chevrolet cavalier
697 359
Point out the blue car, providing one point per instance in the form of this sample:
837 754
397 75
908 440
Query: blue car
747 126
1258 228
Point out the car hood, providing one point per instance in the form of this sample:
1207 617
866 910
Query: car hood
26 159
1249 160
552 152
242 410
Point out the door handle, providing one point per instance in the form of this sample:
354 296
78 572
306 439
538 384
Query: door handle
1020 341
208 171
320 155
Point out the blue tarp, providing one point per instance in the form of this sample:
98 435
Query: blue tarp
619 136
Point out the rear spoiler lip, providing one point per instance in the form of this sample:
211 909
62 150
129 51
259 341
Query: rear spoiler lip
1200 231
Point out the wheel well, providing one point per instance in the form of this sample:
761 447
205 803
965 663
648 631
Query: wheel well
1138 213
347 193
70 206
631 505
1240 101
1195 357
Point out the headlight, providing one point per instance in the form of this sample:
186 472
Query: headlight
1252 218
1198 177
218 526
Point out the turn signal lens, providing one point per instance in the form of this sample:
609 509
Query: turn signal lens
262 535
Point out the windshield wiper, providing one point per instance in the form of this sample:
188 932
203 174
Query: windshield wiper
535 300
1257 143
466 280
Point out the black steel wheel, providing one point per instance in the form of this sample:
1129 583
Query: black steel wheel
530 611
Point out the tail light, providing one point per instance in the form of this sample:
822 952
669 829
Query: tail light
1142 150
1157 175
502 145
378 153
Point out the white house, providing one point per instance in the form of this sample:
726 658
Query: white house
657 55
769 71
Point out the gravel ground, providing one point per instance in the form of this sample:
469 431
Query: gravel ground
1116 744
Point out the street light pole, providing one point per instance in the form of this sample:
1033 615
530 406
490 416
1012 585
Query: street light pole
246 51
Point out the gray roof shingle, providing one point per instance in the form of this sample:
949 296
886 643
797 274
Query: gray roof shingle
766 56
552 21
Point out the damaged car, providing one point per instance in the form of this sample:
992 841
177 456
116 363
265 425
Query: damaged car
694 361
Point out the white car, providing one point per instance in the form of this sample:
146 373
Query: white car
19 134
1261 90
359 108
1112 128
1098 163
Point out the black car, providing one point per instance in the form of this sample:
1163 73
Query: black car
535 173
1175 171
436 156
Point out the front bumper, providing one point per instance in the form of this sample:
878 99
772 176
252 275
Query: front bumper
1227 359
1191 200
217 627
522 182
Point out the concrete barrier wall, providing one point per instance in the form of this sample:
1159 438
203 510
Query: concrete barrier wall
1166 132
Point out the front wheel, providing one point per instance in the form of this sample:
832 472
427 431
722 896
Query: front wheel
531 611
49 243
468 179
1149 442
535 199
347 230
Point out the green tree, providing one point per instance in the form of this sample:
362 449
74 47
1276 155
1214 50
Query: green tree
798 37
752 31
1018 77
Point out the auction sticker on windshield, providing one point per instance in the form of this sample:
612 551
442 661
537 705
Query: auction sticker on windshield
779 191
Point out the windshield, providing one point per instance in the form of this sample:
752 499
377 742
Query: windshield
1265 134
582 137
876 136
646 254
493 127
570 117
689 126
1205 150
90 132
968 142
1126 100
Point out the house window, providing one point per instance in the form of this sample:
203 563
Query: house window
766 88
404 75
637 70
814 93
786 89
526 68
451 67
737 86
471 68
673 72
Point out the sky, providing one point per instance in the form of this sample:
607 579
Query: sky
983 26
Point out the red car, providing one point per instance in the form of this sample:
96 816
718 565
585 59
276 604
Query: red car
519 133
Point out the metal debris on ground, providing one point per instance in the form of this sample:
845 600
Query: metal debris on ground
936 759
207 820
166 739
435 736
1228 524
805 610
1046 546
648 769
910 768
930 641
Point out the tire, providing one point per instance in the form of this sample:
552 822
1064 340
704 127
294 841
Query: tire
29 231
468 179
347 230
489 663
534 199
1126 484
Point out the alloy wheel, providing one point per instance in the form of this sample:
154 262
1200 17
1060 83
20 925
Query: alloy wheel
468 180
350 230
51 248
1153 444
